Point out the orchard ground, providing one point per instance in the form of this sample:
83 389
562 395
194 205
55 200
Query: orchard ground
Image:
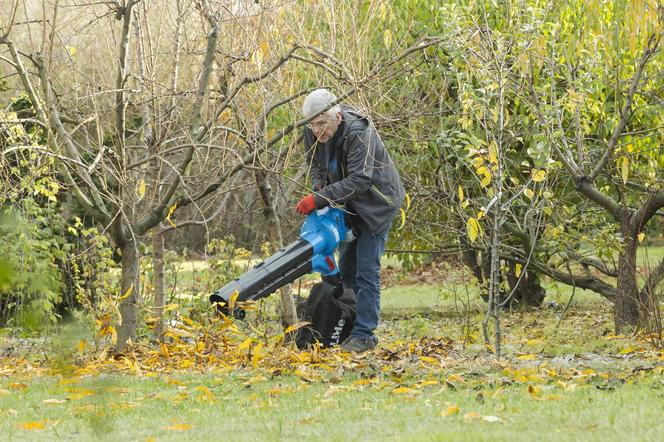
563 375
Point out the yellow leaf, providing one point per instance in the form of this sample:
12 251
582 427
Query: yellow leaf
460 190
140 188
624 169
231 301
538 175
265 48
472 416
38 425
363 381
82 344
429 359
127 294
257 355
534 391
403 219
17 386
529 193
486 180
114 334
493 157
225 115
527 357
171 210
402 390
245 345
450 410
407 201
163 349
296 326
72 51
517 270
171 307
179 427
53 401
81 394
473 229
455 378
206 394
174 381
641 236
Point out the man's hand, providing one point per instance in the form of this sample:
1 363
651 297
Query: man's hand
306 205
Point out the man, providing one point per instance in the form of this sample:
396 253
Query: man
350 165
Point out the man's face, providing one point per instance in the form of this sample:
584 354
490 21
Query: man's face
324 127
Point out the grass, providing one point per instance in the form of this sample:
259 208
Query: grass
133 408
561 378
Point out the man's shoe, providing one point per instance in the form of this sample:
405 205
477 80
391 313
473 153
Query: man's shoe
355 344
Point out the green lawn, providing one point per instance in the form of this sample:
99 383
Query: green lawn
564 375
209 407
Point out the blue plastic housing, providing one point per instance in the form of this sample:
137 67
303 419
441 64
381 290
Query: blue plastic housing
324 229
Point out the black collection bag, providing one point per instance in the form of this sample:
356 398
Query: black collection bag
331 313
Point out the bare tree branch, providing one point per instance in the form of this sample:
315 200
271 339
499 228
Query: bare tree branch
626 111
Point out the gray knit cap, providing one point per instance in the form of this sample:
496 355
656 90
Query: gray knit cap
317 101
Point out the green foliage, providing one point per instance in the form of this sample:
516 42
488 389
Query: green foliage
32 282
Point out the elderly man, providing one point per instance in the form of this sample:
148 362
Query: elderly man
350 165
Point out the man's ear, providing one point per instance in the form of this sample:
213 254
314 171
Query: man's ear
339 117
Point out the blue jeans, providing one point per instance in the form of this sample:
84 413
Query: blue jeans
359 264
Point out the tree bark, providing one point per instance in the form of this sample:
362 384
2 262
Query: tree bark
159 282
528 290
129 291
626 307
288 310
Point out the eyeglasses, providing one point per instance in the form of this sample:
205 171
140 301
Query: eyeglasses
318 125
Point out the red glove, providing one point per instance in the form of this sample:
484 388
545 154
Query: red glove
306 205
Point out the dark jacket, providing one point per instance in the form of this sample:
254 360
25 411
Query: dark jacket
365 178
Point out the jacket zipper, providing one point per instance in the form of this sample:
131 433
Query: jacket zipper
382 195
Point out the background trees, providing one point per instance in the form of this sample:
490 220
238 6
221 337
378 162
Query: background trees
182 119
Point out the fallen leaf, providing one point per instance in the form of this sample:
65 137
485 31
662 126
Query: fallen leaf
491 419
37 425
534 391
53 401
402 390
470 416
179 427
296 326
450 410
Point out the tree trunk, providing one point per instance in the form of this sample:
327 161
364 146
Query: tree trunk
626 307
288 309
159 282
529 291
129 289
